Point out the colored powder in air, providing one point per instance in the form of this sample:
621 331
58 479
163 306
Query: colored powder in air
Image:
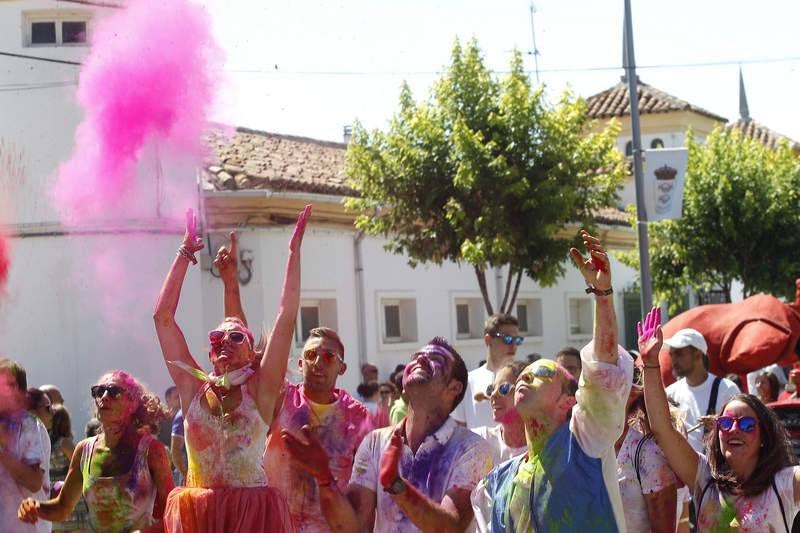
149 78
5 262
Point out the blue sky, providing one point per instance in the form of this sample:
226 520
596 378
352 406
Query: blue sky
309 67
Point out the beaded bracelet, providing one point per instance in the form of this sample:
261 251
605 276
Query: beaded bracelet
184 252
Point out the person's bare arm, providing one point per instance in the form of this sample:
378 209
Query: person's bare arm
596 271
661 509
679 453
272 370
170 337
59 508
452 514
178 455
226 263
67 446
161 474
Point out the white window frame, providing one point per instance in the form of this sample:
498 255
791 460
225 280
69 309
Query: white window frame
327 310
58 17
409 320
527 298
578 336
477 318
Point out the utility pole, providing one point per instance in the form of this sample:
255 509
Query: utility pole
535 51
629 65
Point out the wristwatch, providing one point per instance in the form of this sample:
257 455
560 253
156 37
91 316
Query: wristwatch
398 486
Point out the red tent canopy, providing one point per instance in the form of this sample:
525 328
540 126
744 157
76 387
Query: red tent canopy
742 336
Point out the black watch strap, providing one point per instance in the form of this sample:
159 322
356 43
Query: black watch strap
598 292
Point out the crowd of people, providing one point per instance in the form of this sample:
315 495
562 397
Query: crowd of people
588 440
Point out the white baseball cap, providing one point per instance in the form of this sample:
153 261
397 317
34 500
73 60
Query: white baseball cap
688 337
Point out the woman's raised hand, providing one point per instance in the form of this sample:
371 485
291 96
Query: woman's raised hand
595 269
300 229
226 259
650 337
191 241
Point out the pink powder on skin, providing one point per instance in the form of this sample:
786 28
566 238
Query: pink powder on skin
5 262
149 78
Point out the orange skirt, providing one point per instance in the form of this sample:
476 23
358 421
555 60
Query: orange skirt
223 510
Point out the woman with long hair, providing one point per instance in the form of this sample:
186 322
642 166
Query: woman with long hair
62 446
227 413
507 437
123 474
746 480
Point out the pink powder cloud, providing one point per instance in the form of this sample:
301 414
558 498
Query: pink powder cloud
148 80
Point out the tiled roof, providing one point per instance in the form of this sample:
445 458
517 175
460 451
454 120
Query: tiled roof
614 102
761 133
259 160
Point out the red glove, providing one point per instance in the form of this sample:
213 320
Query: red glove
390 460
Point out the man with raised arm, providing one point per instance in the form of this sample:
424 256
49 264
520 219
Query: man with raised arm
415 476
567 480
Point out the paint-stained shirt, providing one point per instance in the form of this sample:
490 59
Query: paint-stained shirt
572 484
25 445
452 457
339 426
654 472
745 514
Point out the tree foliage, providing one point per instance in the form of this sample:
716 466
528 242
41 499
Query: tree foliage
485 172
740 221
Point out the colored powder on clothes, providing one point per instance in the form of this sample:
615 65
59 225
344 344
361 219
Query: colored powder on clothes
149 78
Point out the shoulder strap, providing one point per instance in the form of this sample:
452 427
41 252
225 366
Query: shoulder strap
780 503
637 456
712 401
700 501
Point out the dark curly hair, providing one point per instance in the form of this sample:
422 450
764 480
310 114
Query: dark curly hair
459 369
773 455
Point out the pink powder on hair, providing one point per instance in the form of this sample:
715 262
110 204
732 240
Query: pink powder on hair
149 79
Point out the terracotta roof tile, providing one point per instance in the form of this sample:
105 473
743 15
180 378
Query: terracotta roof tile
614 102
259 160
761 133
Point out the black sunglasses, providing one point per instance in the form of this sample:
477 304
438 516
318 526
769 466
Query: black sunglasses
98 391
509 339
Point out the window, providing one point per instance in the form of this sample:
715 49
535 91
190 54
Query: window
43 33
73 32
628 148
470 318
581 319
313 314
399 320
529 316
656 143
56 27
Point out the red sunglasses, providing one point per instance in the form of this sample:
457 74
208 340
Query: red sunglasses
327 356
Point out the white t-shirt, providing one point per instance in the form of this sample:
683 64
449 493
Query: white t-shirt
501 452
451 457
754 514
24 444
475 414
655 473
773 368
44 526
693 403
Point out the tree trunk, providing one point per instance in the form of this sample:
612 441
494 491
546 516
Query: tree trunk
508 289
485 293
516 291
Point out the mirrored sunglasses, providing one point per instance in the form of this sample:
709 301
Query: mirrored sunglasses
746 424
98 391
327 356
216 336
504 389
509 339
543 371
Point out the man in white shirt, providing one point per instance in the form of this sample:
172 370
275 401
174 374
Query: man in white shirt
698 392
501 336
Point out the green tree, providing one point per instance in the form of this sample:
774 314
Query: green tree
740 221
484 172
